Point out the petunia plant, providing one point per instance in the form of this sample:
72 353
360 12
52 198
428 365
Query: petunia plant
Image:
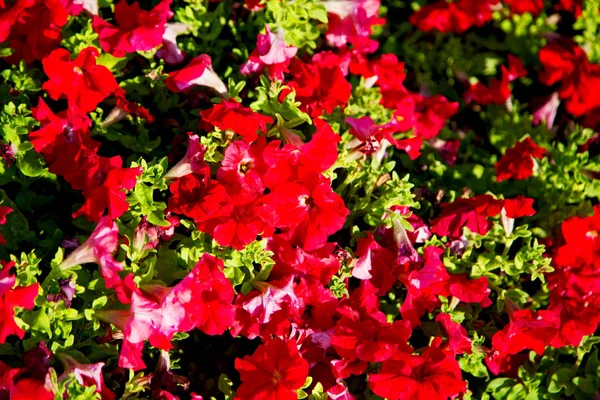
304 199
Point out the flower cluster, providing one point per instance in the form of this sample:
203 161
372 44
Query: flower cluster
267 199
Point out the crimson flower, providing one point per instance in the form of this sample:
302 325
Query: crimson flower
229 114
198 72
457 16
81 81
106 183
471 213
518 161
425 115
99 249
526 330
32 28
274 372
63 139
136 30
565 62
310 209
199 198
318 86
434 374
203 299
458 338
370 340
11 297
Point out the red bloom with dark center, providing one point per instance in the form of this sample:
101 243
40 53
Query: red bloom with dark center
274 372
471 213
35 29
518 161
319 87
63 139
243 225
198 198
243 168
310 209
457 16
432 375
106 184
81 81
136 30
11 297
229 114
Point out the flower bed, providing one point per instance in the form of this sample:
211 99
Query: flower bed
272 199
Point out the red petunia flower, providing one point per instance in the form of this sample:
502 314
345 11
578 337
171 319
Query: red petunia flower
471 213
99 249
35 28
63 139
106 184
11 297
432 375
458 338
526 330
229 114
457 16
272 53
203 299
310 209
370 340
319 87
274 372
81 81
199 198
518 161
136 30
565 62
198 72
